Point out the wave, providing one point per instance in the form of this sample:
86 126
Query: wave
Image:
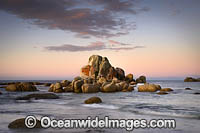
106 106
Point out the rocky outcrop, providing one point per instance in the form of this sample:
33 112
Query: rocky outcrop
21 87
20 123
93 100
148 88
141 79
90 88
98 67
65 83
37 96
190 79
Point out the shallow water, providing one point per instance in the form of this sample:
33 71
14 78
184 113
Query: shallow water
181 105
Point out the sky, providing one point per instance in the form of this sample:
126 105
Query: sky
53 39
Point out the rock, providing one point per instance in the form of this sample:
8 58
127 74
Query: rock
141 79
120 73
132 83
36 83
94 62
111 87
124 85
88 81
130 88
65 83
104 68
69 88
93 100
166 89
0 93
129 78
21 87
20 123
77 86
57 88
47 84
112 73
37 96
188 89
101 80
148 88
190 79
197 93
85 71
162 93
90 88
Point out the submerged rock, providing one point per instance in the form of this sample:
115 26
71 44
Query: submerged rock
190 79
93 100
148 88
20 123
188 89
162 93
38 96
166 89
47 84
21 87
197 93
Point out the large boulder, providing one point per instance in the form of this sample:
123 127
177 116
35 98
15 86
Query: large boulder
141 79
77 86
190 79
93 100
120 73
68 88
110 87
90 88
104 68
112 73
21 87
94 62
37 96
20 123
148 88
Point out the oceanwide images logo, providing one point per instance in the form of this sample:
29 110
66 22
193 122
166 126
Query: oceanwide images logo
128 124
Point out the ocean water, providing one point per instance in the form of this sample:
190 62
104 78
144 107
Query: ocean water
181 105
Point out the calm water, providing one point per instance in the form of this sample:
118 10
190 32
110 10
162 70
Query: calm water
181 105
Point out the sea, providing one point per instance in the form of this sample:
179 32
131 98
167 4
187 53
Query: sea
181 105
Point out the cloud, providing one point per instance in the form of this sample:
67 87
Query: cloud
115 43
94 18
95 46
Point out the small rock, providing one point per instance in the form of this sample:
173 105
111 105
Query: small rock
148 88
21 87
188 89
0 93
166 89
47 84
162 93
38 96
129 77
93 100
20 123
111 87
197 93
141 79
